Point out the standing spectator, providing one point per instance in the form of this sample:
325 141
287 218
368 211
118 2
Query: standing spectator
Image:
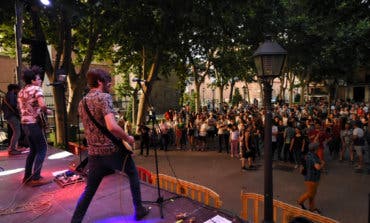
297 146
223 135
280 138
191 135
248 152
164 134
311 178
346 139
144 139
179 129
288 136
12 116
211 122
318 135
203 135
274 134
358 143
234 141
31 103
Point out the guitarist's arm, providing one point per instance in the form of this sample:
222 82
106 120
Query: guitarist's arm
42 104
116 130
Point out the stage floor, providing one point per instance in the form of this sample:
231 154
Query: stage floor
112 202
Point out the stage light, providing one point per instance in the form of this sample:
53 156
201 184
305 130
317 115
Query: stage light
56 173
9 172
60 155
45 2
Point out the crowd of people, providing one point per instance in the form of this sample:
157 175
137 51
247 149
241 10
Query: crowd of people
341 127
300 134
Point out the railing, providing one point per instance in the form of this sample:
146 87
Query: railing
145 175
283 212
187 189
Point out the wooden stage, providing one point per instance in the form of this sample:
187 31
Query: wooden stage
112 202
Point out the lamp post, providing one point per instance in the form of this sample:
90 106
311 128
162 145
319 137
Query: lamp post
269 59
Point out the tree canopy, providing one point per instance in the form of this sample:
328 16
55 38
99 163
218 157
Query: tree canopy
196 38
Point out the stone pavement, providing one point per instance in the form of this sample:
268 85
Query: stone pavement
342 194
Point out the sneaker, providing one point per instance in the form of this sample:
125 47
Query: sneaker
14 152
316 210
39 182
302 206
141 213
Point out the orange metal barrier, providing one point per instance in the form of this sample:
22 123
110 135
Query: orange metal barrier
145 175
187 189
283 212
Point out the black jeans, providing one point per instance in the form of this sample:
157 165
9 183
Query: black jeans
99 167
223 139
38 149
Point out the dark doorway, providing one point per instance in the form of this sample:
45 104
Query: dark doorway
358 94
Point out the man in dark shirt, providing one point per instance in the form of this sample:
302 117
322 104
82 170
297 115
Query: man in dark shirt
103 154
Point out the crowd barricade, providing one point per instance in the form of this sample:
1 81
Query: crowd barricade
252 210
184 188
145 175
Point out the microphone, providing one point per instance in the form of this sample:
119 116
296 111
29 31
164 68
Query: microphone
55 83
135 79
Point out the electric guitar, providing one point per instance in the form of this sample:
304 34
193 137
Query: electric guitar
42 120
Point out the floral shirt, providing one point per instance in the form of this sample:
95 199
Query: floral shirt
99 104
28 104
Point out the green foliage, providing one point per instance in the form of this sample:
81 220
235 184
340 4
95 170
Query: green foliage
189 99
236 97
297 98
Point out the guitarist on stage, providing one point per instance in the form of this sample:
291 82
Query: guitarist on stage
11 114
31 103
103 155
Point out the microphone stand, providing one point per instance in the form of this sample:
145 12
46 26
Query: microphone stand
160 200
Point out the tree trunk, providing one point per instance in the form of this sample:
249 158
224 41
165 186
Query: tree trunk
303 90
197 100
248 95
150 78
232 84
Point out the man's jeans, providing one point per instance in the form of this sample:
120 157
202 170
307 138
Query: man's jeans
14 124
38 147
99 167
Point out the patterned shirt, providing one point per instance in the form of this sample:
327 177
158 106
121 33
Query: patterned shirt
100 104
28 104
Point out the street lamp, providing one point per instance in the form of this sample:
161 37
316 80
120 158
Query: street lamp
269 59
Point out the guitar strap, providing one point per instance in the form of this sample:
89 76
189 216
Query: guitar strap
102 128
125 152
9 106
